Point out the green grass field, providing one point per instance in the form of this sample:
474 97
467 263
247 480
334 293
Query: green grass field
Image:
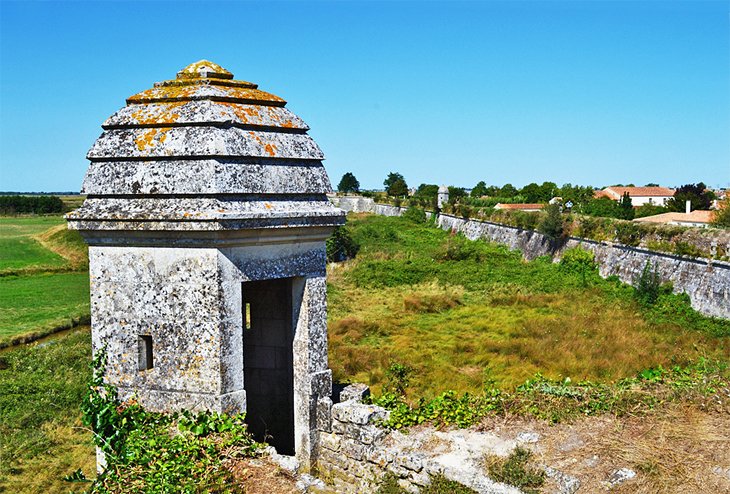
44 281
42 302
41 435
462 314
18 248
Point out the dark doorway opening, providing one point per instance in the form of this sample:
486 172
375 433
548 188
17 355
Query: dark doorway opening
268 369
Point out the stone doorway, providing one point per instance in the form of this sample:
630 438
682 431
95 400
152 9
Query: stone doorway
268 334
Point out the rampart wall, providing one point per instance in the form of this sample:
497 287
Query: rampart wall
705 281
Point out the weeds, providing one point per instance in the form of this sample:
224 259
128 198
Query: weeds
647 285
558 401
449 308
514 471
155 452
438 485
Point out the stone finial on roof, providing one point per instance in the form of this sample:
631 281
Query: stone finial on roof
204 68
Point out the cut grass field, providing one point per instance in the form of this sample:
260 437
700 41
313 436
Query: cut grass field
44 283
463 314
19 249
40 303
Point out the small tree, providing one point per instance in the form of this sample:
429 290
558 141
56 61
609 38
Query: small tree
395 185
697 194
348 183
456 193
552 224
721 216
647 285
626 209
479 189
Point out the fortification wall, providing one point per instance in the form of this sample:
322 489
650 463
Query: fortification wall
705 281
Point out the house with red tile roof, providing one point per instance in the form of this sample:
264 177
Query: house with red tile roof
658 196
696 218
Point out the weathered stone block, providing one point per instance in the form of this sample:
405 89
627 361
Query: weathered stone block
410 461
353 449
329 441
324 414
358 413
366 434
380 456
355 392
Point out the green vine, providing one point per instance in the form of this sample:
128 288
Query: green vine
158 452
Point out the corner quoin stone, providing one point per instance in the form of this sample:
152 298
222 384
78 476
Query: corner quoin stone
197 188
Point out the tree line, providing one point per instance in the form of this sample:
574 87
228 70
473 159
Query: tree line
18 204
581 198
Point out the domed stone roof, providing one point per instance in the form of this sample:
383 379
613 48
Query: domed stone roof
204 152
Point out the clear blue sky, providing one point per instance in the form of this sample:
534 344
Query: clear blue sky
443 92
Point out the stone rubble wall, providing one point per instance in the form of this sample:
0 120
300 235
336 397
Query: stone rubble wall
705 281
355 454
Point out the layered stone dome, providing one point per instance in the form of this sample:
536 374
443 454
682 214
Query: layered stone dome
204 152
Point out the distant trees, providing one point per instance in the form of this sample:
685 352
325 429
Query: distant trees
348 183
602 206
426 195
395 185
649 210
508 190
534 193
40 204
697 194
456 193
479 189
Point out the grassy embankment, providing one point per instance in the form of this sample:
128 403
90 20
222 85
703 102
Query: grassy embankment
43 277
462 314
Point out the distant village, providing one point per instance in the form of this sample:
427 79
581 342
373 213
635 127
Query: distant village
691 205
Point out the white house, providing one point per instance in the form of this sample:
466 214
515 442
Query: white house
657 196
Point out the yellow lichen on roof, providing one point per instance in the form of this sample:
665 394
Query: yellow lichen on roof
206 81
149 138
242 112
270 149
158 114
182 93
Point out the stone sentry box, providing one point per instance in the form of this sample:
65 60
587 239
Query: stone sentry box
206 217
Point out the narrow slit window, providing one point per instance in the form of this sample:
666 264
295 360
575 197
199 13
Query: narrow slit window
144 352
247 315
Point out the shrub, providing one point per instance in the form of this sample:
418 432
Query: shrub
552 224
399 377
459 248
647 285
341 245
514 471
578 261
414 214
686 249
170 452
628 233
